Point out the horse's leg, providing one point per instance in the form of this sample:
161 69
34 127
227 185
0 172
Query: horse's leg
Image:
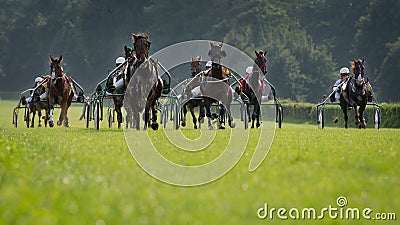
257 111
361 116
191 107
207 105
67 105
221 116
346 117
51 111
202 112
357 122
62 113
154 124
33 116
184 110
146 115
39 116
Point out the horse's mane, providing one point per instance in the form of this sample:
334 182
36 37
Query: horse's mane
139 35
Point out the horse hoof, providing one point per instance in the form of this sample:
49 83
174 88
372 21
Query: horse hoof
195 127
39 125
183 124
51 123
201 120
210 127
258 125
233 124
222 126
59 123
154 126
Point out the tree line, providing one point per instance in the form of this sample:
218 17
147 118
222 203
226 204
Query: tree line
307 40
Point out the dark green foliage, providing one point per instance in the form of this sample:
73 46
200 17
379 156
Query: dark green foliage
307 41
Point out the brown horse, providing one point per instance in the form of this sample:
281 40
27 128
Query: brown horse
216 87
59 91
118 98
37 105
252 87
195 67
145 86
354 93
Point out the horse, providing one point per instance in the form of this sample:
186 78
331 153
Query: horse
37 105
145 86
118 94
195 67
252 87
354 93
215 87
59 91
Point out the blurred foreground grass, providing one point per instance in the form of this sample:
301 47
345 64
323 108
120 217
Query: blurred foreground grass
83 176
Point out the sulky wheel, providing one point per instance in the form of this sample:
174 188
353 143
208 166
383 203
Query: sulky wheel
87 115
321 119
377 118
245 116
96 115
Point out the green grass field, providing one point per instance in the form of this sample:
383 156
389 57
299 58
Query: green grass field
83 176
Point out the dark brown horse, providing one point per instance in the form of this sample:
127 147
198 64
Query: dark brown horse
59 91
216 87
118 97
252 87
146 86
37 105
354 93
195 68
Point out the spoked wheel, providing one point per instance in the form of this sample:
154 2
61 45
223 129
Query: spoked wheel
176 116
279 116
96 115
15 118
321 119
87 115
26 117
110 118
245 116
164 116
377 118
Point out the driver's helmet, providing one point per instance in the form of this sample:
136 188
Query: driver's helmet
119 60
38 79
344 71
209 64
249 70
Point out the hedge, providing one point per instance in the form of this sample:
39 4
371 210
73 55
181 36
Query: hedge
296 112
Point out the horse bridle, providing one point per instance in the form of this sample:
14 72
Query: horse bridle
261 60
142 42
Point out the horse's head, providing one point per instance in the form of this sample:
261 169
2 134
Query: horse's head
195 65
357 66
142 46
216 53
261 61
55 67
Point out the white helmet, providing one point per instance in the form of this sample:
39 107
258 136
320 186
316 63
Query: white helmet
208 64
249 69
120 60
344 70
38 79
